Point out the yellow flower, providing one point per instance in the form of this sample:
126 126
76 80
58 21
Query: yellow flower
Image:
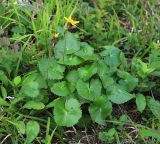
71 21
56 35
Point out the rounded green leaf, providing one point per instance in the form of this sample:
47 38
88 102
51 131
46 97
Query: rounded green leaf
32 84
20 126
85 51
86 72
50 69
154 106
34 105
70 60
127 82
140 102
68 45
72 76
107 80
31 89
89 91
118 95
29 77
111 56
32 131
67 112
100 109
104 69
95 88
17 80
60 89
4 92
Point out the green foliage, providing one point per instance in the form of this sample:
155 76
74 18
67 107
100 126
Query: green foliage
86 51
60 89
85 73
17 80
111 56
72 76
100 109
150 133
3 102
68 45
89 91
31 89
105 66
154 106
32 131
34 105
50 69
107 136
70 60
140 102
119 96
127 81
20 126
67 112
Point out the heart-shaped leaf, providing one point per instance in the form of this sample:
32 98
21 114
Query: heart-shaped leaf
31 89
105 69
127 82
68 45
89 91
100 109
118 95
107 80
111 56
86 72
72 76
67 112
60 88
85 51
50 69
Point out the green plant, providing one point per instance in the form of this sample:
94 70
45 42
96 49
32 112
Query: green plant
54 73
